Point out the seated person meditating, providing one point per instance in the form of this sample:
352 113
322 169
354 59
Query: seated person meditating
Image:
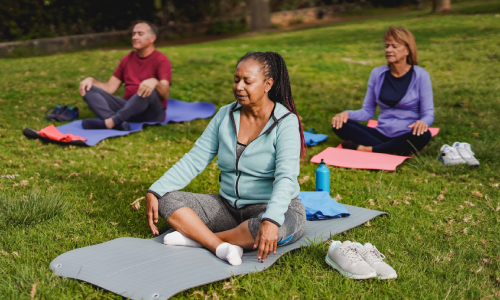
147 75
404 93
259 143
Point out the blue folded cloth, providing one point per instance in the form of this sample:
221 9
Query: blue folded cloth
320 206
312 139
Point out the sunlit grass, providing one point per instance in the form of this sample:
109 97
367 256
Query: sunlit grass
438 244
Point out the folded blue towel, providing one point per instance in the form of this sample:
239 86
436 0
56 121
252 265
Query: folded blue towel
320 206
312 139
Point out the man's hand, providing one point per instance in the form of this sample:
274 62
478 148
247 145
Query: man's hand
152 212
147 87
340 119
85 85
266 240
419 128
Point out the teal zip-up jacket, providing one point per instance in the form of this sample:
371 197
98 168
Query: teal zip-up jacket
265 173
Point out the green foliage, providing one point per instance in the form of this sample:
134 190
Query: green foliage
439 246
227 26
27 210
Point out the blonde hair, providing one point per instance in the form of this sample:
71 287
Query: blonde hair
404 36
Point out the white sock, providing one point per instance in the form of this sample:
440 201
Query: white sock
230 253
177 239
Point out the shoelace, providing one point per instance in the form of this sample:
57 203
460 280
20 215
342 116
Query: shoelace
352 254
373 254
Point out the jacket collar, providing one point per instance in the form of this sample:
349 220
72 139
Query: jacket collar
279 112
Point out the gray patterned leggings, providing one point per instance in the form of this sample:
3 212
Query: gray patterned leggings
219 215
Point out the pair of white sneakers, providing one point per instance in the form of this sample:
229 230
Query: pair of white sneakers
458 153
356 261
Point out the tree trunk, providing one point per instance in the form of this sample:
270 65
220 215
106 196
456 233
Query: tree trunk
260 15
441 6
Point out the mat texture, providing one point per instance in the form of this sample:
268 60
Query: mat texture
177 111
148 269
353 159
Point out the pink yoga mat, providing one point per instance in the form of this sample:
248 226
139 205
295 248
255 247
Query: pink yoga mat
353 159
346 158
373 123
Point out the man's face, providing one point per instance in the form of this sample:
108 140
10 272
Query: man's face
142 36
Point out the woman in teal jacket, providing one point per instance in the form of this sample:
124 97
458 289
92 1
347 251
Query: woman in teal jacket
259 143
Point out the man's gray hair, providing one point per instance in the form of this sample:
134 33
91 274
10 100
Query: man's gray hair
154 29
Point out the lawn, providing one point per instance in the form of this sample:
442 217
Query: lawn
442 232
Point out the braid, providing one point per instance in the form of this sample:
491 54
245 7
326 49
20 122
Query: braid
274 67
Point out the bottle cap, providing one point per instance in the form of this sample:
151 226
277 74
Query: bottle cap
322 162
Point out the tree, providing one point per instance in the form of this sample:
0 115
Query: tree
260 15
441 6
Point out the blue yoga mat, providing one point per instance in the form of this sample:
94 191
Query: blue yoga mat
312 139
320 206
177 111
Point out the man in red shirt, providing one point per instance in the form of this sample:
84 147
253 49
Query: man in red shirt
147 74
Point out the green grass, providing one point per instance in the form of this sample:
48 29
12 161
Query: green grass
438 247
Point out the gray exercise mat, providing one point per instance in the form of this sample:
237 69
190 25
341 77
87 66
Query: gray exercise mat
148 269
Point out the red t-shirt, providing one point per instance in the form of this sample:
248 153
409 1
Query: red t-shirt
133 70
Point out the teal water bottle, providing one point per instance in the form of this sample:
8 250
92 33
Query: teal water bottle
323 178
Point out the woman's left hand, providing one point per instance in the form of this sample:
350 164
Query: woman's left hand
419 128
266 240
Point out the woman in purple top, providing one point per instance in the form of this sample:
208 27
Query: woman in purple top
403 91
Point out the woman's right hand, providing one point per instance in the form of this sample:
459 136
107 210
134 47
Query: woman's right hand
152 212
340 119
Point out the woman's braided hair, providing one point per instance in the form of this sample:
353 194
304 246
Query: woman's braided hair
274 67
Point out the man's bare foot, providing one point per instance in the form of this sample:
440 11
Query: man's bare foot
109 123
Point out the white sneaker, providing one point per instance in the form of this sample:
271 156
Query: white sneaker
450 156
466 153
345 258
376 260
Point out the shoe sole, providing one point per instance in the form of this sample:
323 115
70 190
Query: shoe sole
451 164
392 276
347 274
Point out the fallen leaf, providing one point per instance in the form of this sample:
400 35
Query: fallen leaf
467 203
495 185
395 202
483 261
198 293
91 195
304 179
484 243
440 197
4 253
368 224
467 219
16 254
406 202
338 198
477 194
228 286
476 271
215 296
114 223
33 291
136 204
371 202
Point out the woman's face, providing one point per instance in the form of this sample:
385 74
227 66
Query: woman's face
394 51
250 85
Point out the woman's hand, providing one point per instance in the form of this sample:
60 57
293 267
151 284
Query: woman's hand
152 212
340 119
266 240
419 128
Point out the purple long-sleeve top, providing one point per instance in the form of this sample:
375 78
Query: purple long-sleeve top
417 104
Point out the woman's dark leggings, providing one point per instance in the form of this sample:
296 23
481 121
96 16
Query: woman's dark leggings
360 134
